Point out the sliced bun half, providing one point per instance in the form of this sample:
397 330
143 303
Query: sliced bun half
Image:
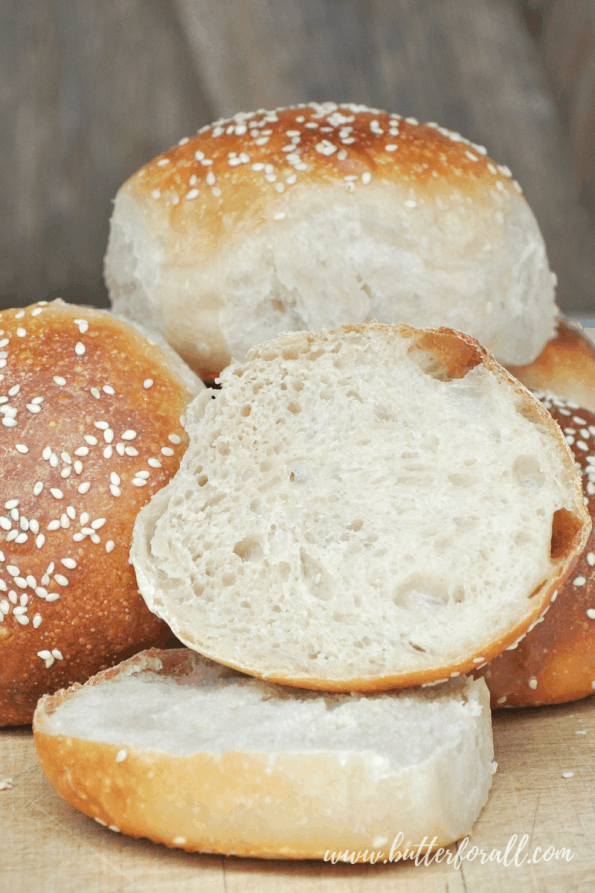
324 215
555 662
369 508
172 747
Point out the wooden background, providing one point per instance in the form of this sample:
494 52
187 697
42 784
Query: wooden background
90 90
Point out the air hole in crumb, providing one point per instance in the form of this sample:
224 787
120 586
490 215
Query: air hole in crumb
248 549
294 407
355 395
284 569
291 353
228 579
421 594
276 609
246 410
417 647
462 480
223 448
566 529
203 480
443 356
527 473
278 305
355 525
245 604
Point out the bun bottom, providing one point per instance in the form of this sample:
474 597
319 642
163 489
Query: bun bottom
290 799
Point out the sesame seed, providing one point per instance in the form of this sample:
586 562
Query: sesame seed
142 474
13 570
61 580
179 841
54 460
175 438
54 525
99 522
90 440
147 383
192 194
567 774
36 621
579 581
57 494
84 488
83 325
120 449
107 453
138 482
57 654
155 193
115 490
21 332
591 613
78 466
107 389
108 435
103 426
154 463
95 393
40 541
9 422
59 380
78 537
21 538
121 756
533 683
114 478
502 700
279 215
81 451
34 526
70 563
79 348
129 434
162 162
478 660
167 451
591 558
5 524
130 451
109 546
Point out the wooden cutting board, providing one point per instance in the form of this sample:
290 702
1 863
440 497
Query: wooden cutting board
48 847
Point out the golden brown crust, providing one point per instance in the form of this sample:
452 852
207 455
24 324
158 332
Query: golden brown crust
565 366
232 803
83 421
207 187
555 662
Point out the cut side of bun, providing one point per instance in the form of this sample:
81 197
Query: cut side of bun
322 215
172 747
369 508
555 662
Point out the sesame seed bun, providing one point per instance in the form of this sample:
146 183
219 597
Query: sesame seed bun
322 215
90 429
555 662
566 366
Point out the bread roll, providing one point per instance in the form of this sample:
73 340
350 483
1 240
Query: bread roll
90 430
172 747
555 662
566 367
322 215
369 508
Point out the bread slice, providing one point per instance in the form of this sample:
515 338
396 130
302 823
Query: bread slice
555 662
173 747
369 508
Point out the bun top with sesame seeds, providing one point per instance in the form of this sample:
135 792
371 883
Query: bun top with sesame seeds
321 215
90 429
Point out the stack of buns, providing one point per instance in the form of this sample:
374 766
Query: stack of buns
371 510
